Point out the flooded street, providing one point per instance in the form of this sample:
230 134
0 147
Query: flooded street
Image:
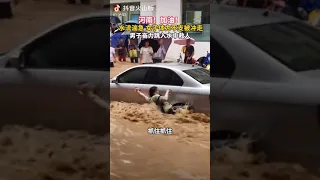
238 164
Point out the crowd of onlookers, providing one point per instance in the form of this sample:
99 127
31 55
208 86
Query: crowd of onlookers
146 54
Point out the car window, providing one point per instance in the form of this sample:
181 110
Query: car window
163 76
176 80
200 74
136 75
294 44
222 64
80 45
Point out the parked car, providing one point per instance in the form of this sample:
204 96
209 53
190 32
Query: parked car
39 79
265 80
189 84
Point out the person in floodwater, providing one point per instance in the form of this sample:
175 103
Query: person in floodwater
122 51
85 89
160 101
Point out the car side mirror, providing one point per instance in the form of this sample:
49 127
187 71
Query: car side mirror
19 62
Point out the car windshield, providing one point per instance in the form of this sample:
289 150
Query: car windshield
200 74
294 44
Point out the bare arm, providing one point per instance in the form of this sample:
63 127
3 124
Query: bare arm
99 101
143 95
151 51
86 90
166 96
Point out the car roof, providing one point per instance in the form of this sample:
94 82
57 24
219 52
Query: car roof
91 15
231 17
176 66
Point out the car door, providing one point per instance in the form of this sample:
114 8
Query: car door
232 108
222 67
123 88
164 79
45 91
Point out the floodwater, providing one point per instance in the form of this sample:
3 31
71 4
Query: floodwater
237 164
183 155
39 153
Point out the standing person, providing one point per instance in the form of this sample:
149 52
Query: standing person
161 53
133 51
188 53
122 51
112 55
146 53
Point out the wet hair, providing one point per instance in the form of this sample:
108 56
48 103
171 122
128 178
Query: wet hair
153 90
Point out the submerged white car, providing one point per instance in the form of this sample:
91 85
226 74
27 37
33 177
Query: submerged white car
189 84
39 80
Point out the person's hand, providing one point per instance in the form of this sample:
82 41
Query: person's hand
85 89
137 90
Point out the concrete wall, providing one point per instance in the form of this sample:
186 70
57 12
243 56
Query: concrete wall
147 3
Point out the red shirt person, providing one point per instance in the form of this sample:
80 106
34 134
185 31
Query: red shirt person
189 53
